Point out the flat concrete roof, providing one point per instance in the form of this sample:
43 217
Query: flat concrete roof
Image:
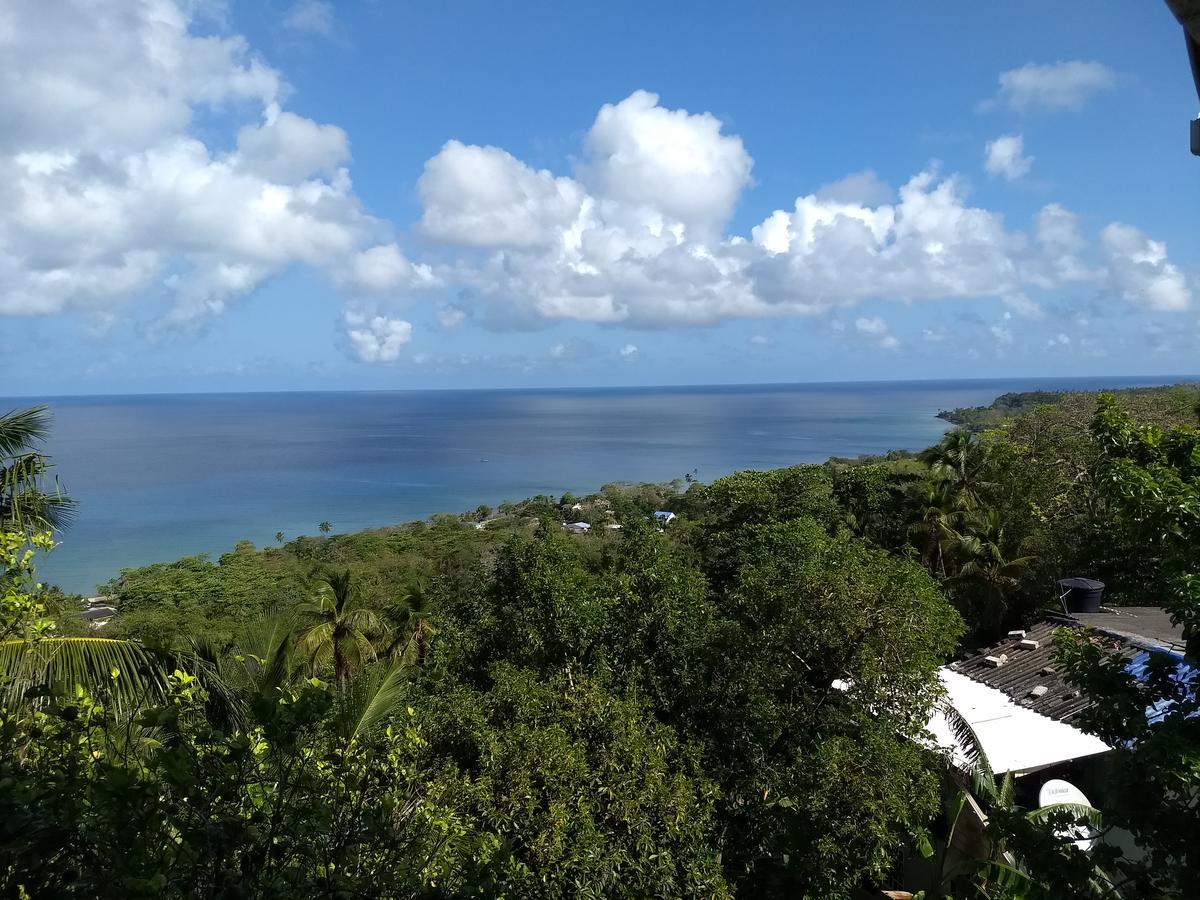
1146 624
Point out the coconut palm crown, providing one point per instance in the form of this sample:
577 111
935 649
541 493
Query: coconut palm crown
336 628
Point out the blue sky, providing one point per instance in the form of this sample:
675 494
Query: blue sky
278 195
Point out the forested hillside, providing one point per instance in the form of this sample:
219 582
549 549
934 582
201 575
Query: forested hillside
1162 406
489 705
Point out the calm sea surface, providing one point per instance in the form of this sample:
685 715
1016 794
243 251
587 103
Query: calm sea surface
162 476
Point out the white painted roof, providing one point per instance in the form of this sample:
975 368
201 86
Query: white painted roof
1014 738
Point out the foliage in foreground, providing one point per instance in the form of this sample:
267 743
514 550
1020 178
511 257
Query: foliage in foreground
303 788
487 706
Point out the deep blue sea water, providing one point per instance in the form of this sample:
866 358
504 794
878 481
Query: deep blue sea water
163 476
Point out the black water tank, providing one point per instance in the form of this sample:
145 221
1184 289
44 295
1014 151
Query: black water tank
1082 595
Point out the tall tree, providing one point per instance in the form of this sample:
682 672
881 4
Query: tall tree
336 628
412 616
325 527
1150 717
30 501
960 459
987 570
940 514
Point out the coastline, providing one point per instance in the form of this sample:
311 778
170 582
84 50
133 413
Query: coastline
232 467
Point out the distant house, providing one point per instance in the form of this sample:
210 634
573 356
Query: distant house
98 616
577 527
613 526
664 517
578 507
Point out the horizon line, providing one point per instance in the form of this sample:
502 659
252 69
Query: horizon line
1159 380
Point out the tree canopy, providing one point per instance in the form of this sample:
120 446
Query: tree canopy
727 705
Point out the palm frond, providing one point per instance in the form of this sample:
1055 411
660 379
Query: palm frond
207 662
21 429
1010 880
24 500
966 736
371 698
128 672
1004 799
978 770
276 668
268 654
316 641
364 620
357 647
1080 812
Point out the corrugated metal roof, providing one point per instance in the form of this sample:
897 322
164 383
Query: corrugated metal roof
1025 712
1014 738
1025 669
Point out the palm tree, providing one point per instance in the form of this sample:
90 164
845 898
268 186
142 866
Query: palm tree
279 536
129 673
973 783
34 662
369 699
934 533
325 527
26 503
960 459
264 659
987 572
414 626
336 629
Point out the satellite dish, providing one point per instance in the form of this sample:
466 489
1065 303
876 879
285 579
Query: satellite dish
1058 791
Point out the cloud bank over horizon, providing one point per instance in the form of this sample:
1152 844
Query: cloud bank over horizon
148 154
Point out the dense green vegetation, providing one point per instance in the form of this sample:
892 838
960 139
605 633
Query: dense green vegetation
486 705
1149 405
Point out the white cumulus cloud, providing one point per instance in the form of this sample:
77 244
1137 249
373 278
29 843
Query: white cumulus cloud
1005 157
485 197
1053 86
1141 272
289 148
451 316
571 350
636 235
877 329
107 193
111 190
310 16
669 162
1002 331
376 338
384 269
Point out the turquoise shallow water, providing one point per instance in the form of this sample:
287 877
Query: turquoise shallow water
161 476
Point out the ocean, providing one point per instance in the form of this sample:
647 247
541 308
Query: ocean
163 476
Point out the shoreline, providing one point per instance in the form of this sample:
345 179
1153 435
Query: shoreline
663 435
